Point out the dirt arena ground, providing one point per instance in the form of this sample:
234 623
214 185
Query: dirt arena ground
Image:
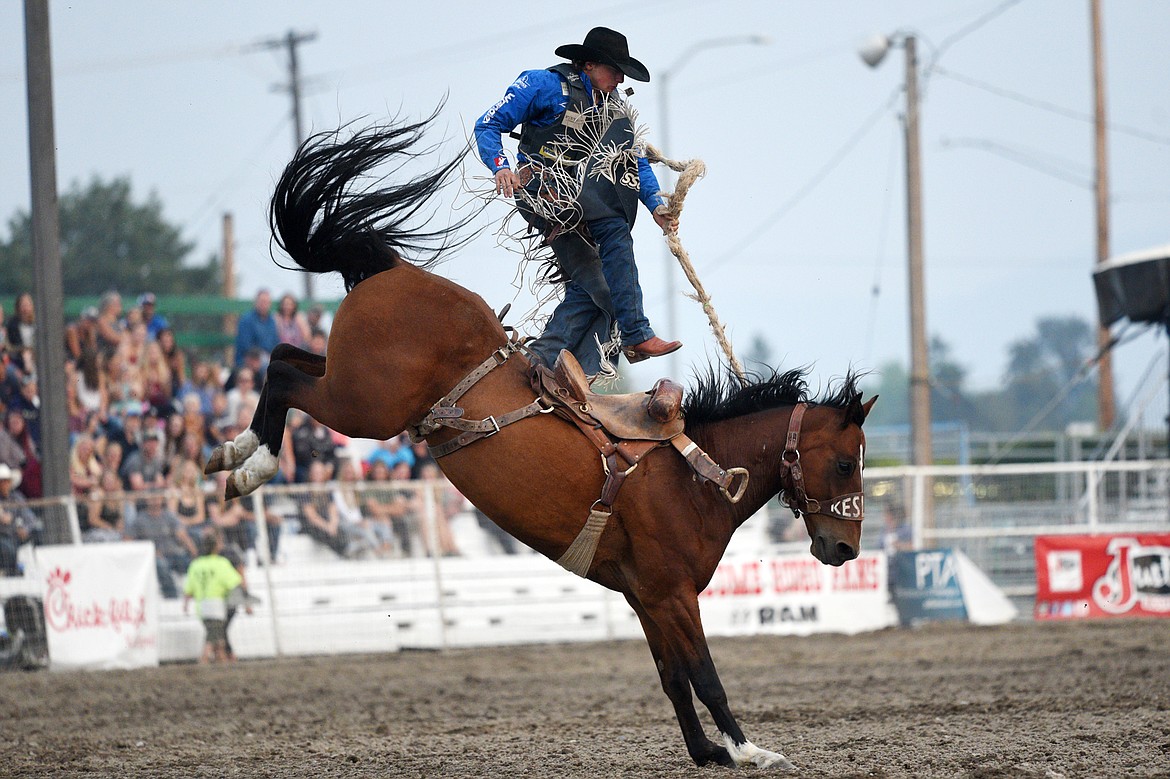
1044 701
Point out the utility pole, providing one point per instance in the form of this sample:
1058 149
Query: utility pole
230 321
922 445
1105 398
290 41
48 287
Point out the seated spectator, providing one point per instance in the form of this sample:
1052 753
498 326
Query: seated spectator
154 321
28 403
291 325
320 519
257 328
312 442
84 467
21 330
393 451
30 470
109 323
448 502
185 500
176 360
391 511
18 525
243 395
203 384
146 468
422 456
319 320
92 391
236 519
349 509
157 382
109 511
173 548
81 336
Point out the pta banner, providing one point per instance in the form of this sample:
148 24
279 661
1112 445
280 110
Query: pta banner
1103 576
797 595
101 605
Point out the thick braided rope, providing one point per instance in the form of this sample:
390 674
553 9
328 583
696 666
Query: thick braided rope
690 172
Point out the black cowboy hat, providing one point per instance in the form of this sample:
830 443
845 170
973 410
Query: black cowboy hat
608 47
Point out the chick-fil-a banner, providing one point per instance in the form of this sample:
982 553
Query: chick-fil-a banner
101 605
1103 576
797 595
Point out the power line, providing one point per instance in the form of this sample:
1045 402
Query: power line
838 157
1050 107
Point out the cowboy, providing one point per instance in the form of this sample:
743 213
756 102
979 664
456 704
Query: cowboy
558 111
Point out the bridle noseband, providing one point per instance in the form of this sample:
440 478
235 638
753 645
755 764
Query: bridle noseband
850 506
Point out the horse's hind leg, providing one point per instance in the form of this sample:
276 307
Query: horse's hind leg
232 454
680 629
284 387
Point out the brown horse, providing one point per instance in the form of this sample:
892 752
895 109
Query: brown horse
403 337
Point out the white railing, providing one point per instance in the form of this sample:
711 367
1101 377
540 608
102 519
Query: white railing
993 513
396 588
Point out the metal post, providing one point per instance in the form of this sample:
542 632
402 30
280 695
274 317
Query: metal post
1106 401
261 519
48 287
430 509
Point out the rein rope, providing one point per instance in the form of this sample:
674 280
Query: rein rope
690 172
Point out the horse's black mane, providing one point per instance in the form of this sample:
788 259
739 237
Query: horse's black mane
721 394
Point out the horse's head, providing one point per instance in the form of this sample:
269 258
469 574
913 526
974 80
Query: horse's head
821 476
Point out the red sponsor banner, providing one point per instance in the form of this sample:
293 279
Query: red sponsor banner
1103 576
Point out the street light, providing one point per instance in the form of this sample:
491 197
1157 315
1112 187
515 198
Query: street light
664 135
872 52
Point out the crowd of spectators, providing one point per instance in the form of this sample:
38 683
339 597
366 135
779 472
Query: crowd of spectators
145 413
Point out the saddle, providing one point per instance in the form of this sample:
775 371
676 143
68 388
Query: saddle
624 428
640 416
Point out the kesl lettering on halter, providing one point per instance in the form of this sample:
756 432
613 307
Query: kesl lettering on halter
849 506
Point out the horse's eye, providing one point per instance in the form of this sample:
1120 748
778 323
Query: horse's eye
845 467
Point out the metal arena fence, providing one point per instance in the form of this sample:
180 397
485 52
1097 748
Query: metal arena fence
417 566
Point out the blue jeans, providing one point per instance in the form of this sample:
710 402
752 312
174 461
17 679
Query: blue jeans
603 286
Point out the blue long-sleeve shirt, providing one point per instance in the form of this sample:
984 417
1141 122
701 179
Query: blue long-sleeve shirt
537 97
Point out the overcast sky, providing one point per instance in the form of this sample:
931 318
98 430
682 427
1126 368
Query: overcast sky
797 231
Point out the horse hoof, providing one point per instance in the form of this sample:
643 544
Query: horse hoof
215 462
748 753
231 492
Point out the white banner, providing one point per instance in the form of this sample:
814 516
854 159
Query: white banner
101 605
797 595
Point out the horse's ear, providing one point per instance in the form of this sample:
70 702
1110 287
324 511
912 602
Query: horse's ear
857 411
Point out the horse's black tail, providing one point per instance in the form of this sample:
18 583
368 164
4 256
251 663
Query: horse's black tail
329 213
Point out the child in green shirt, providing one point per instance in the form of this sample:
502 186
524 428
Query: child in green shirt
210 578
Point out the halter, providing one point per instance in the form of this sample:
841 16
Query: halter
850 506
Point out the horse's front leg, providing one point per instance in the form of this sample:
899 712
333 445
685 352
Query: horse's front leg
681 627
676 684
